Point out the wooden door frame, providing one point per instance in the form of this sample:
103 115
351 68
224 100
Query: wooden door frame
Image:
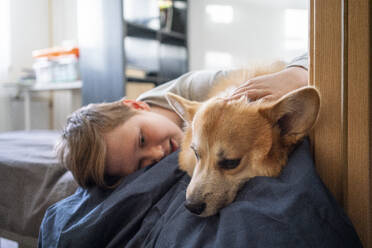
340 67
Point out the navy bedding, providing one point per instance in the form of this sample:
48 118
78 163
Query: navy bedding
147 210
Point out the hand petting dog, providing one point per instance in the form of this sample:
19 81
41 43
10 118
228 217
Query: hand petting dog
272 86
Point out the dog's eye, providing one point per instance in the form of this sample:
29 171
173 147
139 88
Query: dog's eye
196 152
228 164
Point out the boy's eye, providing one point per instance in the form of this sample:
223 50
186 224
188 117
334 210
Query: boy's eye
228 164
141 140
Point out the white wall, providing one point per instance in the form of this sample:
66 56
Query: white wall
29 31
63 17
64 21
245 31
36 24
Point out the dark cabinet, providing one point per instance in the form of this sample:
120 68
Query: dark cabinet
119 36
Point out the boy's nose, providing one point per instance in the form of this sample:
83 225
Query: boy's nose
154 154
157 152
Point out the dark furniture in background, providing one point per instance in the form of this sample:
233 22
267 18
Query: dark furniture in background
119 34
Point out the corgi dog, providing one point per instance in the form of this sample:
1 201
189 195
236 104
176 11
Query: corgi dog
226 143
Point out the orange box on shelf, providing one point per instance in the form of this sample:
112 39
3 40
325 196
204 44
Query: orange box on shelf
56 64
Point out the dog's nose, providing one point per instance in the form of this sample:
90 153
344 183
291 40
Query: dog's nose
195 208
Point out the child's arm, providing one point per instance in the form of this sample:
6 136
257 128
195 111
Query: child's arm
275 85
196 85
193 86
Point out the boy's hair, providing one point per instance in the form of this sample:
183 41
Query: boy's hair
82 147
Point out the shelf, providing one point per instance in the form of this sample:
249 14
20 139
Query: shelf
144 80
47 86
155 80
57 86
172 34
142 31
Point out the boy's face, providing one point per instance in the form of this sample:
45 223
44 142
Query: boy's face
143 140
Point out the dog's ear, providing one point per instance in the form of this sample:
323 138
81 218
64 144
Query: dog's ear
295 113
186 109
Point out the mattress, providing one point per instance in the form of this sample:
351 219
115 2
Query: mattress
31 180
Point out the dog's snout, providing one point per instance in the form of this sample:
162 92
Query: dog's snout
195 208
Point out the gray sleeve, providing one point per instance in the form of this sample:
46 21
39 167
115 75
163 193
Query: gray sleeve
193 86
301 61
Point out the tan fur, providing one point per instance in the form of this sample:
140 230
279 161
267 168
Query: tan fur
260 134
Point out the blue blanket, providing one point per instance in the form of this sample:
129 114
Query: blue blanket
147 210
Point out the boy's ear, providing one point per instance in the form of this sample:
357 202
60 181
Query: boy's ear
138 105
295 113
186 109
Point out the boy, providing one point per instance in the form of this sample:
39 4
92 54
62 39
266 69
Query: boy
111 140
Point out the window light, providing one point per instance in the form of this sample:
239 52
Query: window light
220 13
296 29
217 60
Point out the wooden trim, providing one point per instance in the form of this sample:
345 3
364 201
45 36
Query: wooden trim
311 41
325 66
359 205
344 93
340 67
311 58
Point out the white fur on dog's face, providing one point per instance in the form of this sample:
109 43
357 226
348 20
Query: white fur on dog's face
227 143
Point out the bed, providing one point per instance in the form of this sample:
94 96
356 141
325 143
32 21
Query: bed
147 209
30 181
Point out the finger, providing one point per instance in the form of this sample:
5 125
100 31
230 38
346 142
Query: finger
243 86
248 87
238 92
254 95
234 97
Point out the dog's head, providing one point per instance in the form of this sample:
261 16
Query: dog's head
228 142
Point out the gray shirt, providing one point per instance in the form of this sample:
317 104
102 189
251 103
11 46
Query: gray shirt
301 61
192 85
